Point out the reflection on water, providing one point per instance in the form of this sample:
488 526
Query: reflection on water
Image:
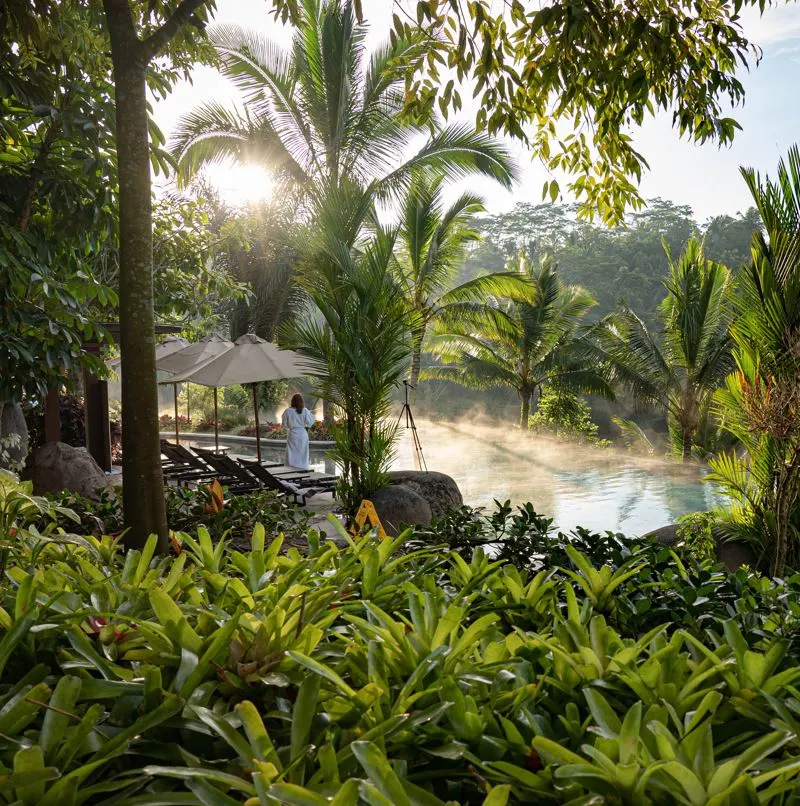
575 486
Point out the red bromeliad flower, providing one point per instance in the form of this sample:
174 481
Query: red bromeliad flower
534 761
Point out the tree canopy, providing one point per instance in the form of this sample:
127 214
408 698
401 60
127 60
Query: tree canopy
572 78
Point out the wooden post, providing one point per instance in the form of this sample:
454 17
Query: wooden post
216 421
52 416
258 429
177 426
98 427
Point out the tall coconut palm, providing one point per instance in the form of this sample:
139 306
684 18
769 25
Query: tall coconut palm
523 342
680 370
324 110
357 349
432 242
760 404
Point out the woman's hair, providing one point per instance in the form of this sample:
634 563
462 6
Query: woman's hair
298 404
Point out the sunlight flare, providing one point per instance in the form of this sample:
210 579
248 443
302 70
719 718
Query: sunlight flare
241 185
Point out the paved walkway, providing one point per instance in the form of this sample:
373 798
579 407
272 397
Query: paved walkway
320 506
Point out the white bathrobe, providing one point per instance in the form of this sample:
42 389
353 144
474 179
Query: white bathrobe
295 424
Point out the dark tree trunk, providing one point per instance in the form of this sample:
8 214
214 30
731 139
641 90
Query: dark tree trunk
525 410
686 443
417 338
142 482
786 491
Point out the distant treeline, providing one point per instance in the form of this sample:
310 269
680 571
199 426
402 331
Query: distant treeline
621 264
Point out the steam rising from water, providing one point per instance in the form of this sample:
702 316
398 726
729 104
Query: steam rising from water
576 486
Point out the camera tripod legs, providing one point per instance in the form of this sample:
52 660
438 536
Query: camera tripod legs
419 458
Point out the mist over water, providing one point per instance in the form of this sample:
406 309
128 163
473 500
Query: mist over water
574 485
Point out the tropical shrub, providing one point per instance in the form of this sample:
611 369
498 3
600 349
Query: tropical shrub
760 404
357 349
223 516
363 675
320 431
563 414
234 405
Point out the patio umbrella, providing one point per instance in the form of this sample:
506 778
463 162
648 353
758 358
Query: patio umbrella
192 356
170 345
250 360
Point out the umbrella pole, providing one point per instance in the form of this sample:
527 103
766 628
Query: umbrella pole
177 427
258 429
188 413
216 422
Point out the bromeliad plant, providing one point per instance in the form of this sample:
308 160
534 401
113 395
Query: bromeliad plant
380 674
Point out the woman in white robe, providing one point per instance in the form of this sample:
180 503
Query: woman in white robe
295 420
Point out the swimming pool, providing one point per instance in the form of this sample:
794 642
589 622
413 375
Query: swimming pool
575 486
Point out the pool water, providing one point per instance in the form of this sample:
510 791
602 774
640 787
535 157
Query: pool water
576 486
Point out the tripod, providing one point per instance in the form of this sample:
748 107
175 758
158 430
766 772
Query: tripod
406 410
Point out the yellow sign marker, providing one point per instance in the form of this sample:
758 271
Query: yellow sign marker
367 514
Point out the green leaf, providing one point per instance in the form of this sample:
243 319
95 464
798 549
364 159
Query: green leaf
30 762
498 796
57 718
323 671
380 772
305 707
171 706
293 795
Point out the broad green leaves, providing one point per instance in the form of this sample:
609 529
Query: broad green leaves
379 674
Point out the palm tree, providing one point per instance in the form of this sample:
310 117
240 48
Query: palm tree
326 115
760 404
522 342
679 371
357 350
324 110
432 242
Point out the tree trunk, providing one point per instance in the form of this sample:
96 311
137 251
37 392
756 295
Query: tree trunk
142 482
786 490
686 443
525 410
417 338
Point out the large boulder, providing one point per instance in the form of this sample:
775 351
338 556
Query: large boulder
12 421
438 489
56 466
733 554
664 535
399 506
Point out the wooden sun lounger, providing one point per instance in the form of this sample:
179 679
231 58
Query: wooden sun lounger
184 466
290 488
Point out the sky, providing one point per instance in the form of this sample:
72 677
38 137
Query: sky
704 177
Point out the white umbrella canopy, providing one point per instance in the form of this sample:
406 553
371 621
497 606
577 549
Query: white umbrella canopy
192 356
250 360
170 345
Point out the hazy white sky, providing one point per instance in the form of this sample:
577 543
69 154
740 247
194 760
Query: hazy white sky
705 177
